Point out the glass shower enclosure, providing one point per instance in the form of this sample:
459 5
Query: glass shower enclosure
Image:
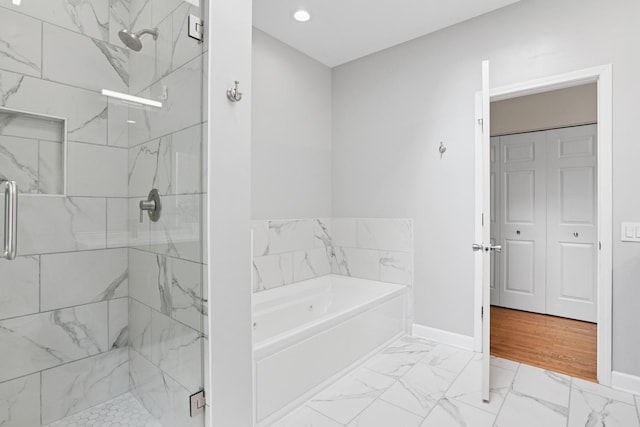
103 132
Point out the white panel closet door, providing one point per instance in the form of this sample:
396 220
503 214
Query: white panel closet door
494 217
572 223
523 221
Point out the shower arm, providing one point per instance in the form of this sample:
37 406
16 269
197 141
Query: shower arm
153 32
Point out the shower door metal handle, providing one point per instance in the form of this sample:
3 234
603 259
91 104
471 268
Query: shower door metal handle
10 219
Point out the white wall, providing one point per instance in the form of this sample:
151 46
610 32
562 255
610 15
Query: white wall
573 106
230 388
291 132
392 109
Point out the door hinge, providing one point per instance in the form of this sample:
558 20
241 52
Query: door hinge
196 28
600 246
483 220
197 402
482 312
481 123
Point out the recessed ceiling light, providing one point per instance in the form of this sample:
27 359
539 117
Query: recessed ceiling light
133 122
17 2
301 15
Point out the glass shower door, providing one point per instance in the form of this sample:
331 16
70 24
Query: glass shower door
104 305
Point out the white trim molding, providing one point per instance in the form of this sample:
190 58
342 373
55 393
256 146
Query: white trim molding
444 337
625 382
602 75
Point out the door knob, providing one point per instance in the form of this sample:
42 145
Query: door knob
477 247
496 248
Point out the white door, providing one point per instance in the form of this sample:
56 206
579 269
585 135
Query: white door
571 223
494 218
485 124
523 221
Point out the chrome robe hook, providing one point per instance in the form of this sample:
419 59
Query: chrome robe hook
234 94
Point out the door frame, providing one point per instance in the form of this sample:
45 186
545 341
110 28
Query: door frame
602 76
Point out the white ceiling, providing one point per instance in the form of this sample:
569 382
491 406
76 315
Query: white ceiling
340 31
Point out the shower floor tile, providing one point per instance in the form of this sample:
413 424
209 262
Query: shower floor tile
123 411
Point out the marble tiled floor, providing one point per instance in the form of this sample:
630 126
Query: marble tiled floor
417 383
123 411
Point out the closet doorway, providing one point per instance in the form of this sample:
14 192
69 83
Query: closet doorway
544 216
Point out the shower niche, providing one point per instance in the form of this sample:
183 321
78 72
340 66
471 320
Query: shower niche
33 151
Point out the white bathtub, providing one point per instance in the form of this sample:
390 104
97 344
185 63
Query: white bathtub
308 332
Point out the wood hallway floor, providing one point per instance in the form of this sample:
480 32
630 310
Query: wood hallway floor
554 343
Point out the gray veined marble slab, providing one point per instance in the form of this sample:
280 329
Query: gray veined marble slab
455 414
343 232
96 170
77 60
20 402
45 340
20 43
59 224
344 400
588 409
117 223
118 323
260 229
50 167
310 264
538 412
177 350
86 111
306 416
290 235
396 267
160 394
542 384
272 271
382 414
182 109
19 162
89 17
75 278
178 233
19 287
467 387
79 385
119 18
354 262
419 389
140 327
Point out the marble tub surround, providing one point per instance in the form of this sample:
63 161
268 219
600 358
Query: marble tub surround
287 251
419 383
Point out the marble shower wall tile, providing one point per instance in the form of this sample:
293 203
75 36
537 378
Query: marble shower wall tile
76 278
169 285
118 126
72 58
272 271
310 264
50 167
140 327
172 164
19 287
118 323
160 394
97 171
177 350
79 385
183 47
119 18
88 17
178 233
20 43
117 223
19 162
60 224
45 340
86 111
20 402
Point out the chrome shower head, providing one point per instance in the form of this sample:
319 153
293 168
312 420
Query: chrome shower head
132 40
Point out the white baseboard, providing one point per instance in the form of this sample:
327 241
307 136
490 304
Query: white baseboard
445 337
625 382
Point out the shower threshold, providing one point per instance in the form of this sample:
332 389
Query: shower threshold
123 411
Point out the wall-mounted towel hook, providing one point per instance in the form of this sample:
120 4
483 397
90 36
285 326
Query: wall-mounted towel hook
442 149
234 94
